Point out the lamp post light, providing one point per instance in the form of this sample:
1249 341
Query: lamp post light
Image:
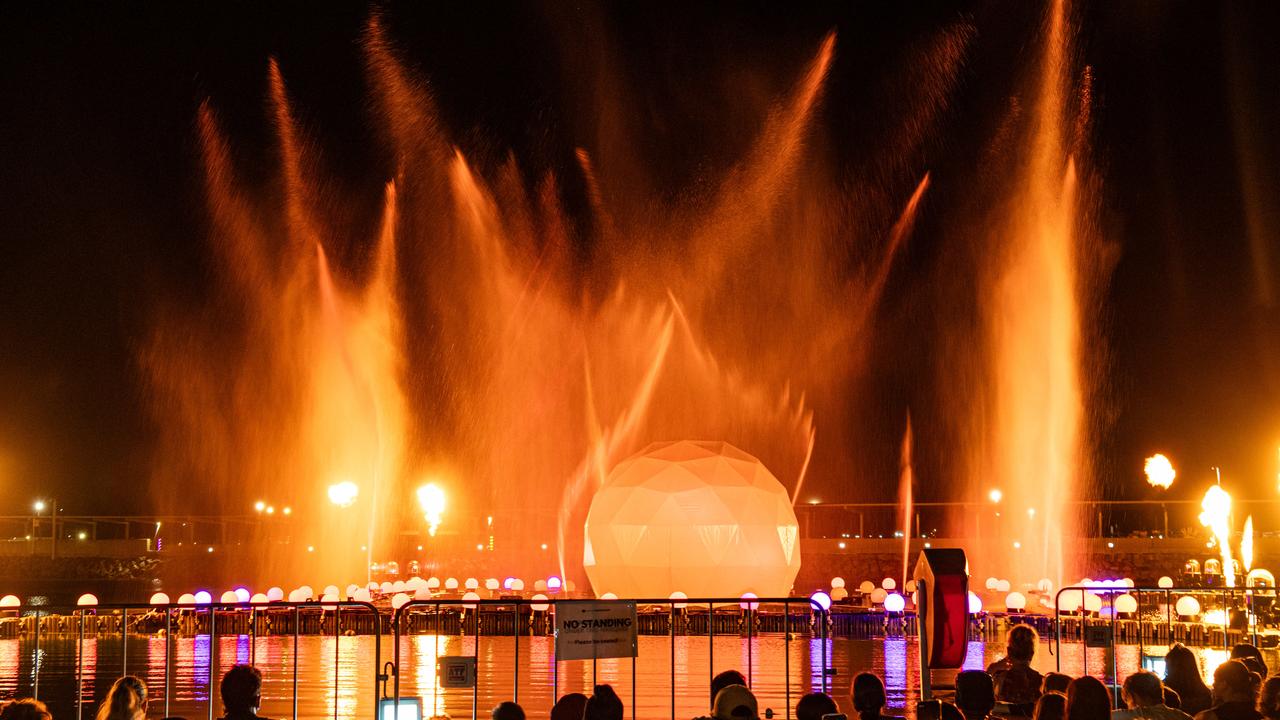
39 506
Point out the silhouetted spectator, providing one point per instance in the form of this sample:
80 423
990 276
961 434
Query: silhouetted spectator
241 691
604 704
1050 706
24 709
508 711
1088 699
1016 682
1234 696
975 694
1248 650
735 702
570 707
1172 698
869 697
1182 673
1143 694
724 680
814 705
1269 703
126 700
1055 682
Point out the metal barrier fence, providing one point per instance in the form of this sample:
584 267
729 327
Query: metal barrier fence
1228 597
819 615
211 610
206 617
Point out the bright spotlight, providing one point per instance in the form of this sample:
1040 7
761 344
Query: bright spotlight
38 506
995 495
431 498
287 510
259 506
344 494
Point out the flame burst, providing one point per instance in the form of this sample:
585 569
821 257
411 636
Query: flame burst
1216 515
1159 470
431 499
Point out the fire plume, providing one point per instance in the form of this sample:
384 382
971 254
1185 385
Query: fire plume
1159 470
1216 515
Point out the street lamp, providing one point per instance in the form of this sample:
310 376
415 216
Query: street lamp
39 507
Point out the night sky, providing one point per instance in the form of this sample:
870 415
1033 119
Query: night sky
102 209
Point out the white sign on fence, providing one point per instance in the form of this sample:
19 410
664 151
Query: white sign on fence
456 671
589 630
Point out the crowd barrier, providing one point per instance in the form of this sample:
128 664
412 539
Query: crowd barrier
477 618
1083 627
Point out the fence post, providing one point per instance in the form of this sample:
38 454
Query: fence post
168 657
213 655
80 667
337 654
515 680
786 654
671 627
35 689
297 628
711 650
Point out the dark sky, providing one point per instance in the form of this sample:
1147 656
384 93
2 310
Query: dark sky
101 208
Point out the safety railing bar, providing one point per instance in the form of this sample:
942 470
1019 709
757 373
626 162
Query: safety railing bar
213 653
80 668
399 614
1226 594
80 612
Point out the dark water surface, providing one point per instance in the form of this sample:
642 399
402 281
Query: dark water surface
350 693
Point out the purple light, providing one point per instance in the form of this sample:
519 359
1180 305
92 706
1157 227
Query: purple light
553 583
203 598
822 599
506 584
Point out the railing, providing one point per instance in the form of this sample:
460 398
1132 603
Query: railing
206 617
80 613
820 620
1227 595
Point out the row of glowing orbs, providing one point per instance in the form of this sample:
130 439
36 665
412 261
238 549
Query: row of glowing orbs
421 589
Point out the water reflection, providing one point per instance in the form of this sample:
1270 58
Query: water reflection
541 679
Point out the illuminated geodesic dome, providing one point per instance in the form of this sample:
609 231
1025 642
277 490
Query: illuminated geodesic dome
702 518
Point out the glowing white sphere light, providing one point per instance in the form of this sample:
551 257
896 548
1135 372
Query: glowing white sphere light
1187 606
